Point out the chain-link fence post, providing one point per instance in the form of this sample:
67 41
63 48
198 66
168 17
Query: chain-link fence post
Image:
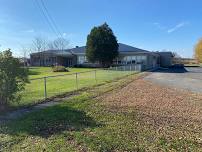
45 88
130 68
77 86
96 77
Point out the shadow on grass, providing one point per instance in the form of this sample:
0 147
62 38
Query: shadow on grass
53 120
33 72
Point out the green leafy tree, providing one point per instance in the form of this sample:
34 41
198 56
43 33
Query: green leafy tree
198 51
12 78
102 45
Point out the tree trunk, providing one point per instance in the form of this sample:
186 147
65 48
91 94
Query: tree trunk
3 105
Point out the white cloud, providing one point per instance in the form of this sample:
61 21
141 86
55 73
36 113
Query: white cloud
159 26
29 31
178 26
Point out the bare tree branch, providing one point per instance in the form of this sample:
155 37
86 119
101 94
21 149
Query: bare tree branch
39 44
59 44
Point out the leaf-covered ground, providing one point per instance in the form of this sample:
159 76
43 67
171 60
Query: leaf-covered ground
139 116
174 116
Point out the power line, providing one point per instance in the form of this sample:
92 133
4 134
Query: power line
46 18
51 18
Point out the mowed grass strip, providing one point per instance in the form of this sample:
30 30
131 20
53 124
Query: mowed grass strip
34 91
84 123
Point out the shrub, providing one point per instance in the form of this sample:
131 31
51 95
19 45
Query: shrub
59 69
12 78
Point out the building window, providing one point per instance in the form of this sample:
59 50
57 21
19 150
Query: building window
81 59
134 59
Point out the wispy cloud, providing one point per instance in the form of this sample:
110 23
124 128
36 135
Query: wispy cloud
159 26
170 30
29 31
177 27
68 35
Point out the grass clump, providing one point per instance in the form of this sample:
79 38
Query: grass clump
59 69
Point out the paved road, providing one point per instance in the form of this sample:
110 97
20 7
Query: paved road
187 79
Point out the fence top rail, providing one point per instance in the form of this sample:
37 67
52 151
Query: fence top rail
59 75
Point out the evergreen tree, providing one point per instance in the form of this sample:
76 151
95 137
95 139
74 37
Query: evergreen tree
12 78
102 45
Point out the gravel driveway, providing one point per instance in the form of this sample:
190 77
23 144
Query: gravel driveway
189 79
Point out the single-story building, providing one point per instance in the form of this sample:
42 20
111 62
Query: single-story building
77 57
166 59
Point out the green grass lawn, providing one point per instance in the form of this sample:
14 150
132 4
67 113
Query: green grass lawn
34 91
85 124
38 72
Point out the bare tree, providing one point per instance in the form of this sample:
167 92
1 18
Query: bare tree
59 44
50 45
176 55
39 44
25 53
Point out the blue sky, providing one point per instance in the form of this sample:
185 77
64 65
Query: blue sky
154 25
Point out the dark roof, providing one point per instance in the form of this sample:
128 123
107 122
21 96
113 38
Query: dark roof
122 48
76 50
66 51
128 48
81 50
166 53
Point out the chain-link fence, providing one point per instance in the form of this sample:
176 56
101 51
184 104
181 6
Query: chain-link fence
50 86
